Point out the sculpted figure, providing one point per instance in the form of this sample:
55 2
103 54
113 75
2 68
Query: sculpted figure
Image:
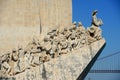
74 43
73 36
54 48
63 46
69 48
81 35
80 29
53 33
5 66
21 51
35 59
35 41
73 39
35 55
21 65
63 31
47 38
44 57
33 45
94 32
17 61
66 33
28 59
47 44
82 41
14 55
73 27
13 63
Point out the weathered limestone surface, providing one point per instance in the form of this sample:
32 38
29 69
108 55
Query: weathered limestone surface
22 19
68 66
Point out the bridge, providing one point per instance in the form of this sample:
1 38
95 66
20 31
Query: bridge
111 62
107 64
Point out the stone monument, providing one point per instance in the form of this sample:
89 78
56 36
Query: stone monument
63 54
21 20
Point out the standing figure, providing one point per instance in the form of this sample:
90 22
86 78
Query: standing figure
5 66
13 63
94 32
73 27
80 29
21 65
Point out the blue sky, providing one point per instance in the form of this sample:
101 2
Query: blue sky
109 12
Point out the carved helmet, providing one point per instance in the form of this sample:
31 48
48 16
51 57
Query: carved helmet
74 23
79 24
92 30
14 50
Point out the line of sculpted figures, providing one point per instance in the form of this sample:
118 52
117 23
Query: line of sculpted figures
53 45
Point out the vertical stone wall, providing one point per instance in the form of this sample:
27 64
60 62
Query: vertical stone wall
20 20
55 13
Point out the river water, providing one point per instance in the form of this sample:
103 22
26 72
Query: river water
103 76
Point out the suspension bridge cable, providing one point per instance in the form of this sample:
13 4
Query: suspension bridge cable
109 55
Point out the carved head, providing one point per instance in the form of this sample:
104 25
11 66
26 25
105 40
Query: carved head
14 55
91 30
20 47
79 24
47 38
74 24
65 29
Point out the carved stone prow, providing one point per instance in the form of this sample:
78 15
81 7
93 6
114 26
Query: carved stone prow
89 66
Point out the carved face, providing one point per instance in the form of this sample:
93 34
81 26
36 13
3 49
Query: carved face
92 30
74 26
14 56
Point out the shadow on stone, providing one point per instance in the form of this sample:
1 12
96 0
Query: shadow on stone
7 78
89 66
44 76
